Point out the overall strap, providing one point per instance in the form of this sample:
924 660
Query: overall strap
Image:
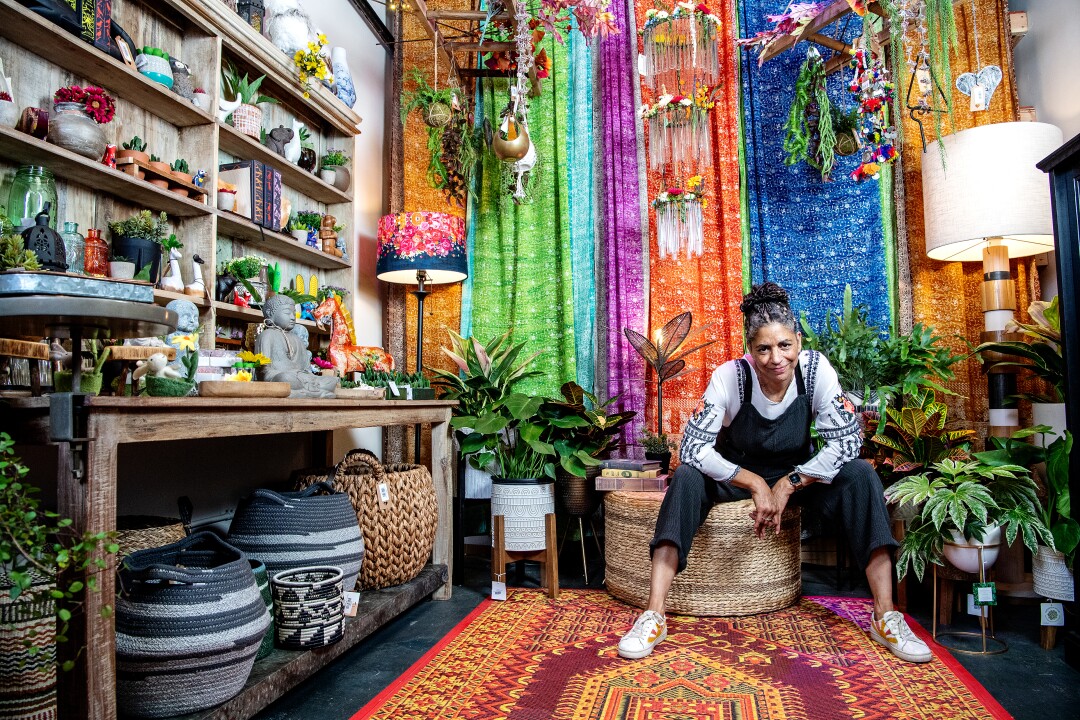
800 383
746 386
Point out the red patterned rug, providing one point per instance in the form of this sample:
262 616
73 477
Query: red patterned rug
532 659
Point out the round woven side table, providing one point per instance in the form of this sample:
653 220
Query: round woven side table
728 572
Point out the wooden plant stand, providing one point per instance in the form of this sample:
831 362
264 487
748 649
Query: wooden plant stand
142 171
548 557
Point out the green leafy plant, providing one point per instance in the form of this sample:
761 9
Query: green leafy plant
967 496
916 361
181 166
142 225
171 242
295 223
1057 512
579 428
243 269
506 437
914 437
240 87
136 143
334 158
655 442
305 139
487 373
1041 353
854 347
6 226
296 296
154 158
15 256
306 220
120 258
453 145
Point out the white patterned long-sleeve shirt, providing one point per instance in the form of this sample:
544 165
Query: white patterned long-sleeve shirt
837 424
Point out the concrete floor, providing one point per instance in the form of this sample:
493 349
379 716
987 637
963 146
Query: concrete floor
1029 682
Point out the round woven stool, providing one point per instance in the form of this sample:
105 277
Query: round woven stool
729 571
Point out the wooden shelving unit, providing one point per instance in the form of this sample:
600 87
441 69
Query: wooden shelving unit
236 226
164 297
235 312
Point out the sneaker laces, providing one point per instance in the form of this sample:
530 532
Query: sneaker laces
894 621
639 632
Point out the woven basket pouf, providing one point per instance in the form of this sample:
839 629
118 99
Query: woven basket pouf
729 571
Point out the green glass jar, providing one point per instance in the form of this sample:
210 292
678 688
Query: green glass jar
33 186
75 246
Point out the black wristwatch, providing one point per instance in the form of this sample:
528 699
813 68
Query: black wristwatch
796 480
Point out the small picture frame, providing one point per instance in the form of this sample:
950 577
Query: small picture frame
125 51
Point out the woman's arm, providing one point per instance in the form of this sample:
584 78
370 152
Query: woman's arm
837 425
699 436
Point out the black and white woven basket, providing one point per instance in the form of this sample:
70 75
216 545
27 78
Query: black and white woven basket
292 530
309 611
189 621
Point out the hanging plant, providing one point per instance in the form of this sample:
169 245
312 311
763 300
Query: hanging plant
809 134
679 218
453 146
681 44
875 92
846 127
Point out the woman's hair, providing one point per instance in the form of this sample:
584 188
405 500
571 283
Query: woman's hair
764 304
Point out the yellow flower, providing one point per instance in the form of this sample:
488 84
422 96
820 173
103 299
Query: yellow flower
693 182
322 38
248 356
240 376
186 342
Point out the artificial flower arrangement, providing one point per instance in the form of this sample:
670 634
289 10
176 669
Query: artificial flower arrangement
5 97
97 103
792 22
312 63
246 363
678 127
681 44
679 218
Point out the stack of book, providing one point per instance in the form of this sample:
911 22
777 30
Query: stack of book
634 475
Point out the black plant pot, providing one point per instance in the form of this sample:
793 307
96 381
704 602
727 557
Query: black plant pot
140 251
664 458
308 160
578 496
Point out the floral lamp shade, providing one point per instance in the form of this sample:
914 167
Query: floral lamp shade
430 241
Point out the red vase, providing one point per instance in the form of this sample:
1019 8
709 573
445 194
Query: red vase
97 254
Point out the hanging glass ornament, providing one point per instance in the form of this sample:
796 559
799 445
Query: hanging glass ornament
681 47
678 127
680 222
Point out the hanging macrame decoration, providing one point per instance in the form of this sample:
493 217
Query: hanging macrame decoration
809 134
679 220
682 47
678 127
875 91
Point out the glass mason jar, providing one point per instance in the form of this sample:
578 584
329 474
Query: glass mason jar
33 186
75 247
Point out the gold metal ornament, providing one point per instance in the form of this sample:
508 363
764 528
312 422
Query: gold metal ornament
511 142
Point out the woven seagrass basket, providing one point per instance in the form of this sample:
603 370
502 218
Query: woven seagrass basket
143 532
399 531
728 572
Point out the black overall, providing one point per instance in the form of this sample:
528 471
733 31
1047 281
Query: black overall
854 500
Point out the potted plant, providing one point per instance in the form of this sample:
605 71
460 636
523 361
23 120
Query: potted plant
657 447
36 545
453 146
182 172
121 268
153 62
580 430
299 227
134 148
15 256
846 128
163 170
139 238
915 437
333 170
89 382
961 504
247 118
201 99
308 159
242 270
9 113
1051 566
78 116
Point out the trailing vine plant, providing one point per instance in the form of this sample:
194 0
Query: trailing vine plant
809 134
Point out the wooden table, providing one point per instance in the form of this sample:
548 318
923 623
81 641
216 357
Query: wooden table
90 498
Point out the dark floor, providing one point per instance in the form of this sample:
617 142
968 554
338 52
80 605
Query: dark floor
1031 683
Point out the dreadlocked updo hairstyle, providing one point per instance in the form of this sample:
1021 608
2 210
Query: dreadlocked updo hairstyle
766 303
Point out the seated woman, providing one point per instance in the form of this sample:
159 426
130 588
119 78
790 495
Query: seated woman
290 360
750 438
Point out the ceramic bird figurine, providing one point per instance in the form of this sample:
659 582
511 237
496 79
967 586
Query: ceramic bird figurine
196 287
173 280
157 365
225 107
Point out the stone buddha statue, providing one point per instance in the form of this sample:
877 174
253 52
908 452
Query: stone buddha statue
290 360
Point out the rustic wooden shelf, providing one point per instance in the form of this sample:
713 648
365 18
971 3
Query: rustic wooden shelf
24 149
164 297
236 312
239 227
35 34
237 143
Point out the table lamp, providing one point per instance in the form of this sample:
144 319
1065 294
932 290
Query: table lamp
988 201
422 248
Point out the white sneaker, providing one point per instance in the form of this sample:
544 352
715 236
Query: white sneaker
893 632
650 629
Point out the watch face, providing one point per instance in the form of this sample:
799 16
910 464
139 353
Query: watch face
795 479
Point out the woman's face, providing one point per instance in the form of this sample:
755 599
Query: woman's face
775 350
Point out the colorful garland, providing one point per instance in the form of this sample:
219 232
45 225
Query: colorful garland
809 131
680 219
875 90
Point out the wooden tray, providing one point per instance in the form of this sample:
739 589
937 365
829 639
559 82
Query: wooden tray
235 389
135 167
363 393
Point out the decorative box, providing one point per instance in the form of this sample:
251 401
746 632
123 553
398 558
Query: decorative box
253 199
95 20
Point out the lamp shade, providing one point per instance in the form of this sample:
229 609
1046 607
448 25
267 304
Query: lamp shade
989 187
429 241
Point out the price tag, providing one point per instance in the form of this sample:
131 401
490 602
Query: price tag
394 388
978 98
985 593
498 590
1053 614
408 392
384 493
352 601
925 82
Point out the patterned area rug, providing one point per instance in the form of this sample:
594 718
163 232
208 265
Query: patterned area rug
529 658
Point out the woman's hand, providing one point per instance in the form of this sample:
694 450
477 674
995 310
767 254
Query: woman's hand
764 514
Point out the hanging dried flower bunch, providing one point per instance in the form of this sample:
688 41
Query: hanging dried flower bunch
679 218
809 131
681 46
678 128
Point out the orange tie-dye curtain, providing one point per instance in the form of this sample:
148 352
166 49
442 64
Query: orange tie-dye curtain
710 286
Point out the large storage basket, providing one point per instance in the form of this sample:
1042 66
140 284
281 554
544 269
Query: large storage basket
144 532
729 571
398 526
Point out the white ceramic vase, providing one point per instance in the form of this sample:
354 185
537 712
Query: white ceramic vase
343 82
967 558
1053 578
523 505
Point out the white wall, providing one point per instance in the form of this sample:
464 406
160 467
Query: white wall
345 28
1048 62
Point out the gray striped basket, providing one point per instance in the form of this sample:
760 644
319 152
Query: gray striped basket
189 621
27 681
292 530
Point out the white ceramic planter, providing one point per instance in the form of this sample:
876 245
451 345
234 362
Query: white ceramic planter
967 558
121 270
328 175
523 504
1053 578
300 235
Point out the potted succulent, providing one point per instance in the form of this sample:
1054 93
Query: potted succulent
121 268
247 118
36 545
15 256
89 382
153 62
182 172
164 171
139 238
134 148
580 430
657 447
333 170
961 505
1051 566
